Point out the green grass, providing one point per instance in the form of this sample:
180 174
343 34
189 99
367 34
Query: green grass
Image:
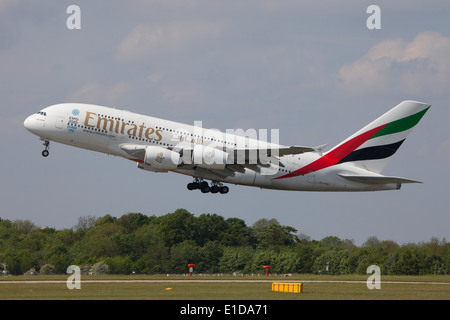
314 288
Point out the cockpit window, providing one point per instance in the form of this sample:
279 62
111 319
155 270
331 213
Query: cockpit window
42 113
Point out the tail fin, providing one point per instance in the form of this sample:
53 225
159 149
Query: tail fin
374 145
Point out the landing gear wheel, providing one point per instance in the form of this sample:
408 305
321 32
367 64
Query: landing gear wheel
224 189
214 189
47 146
204 185
195 185
216 186
204 189
191 186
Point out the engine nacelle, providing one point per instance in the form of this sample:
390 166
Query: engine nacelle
146 167
161 159
205 157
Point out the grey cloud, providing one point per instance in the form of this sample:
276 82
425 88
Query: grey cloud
145 40
422 65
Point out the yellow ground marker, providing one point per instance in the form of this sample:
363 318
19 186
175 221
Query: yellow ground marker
294 287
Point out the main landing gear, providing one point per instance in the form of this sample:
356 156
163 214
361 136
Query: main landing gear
216 187
47 146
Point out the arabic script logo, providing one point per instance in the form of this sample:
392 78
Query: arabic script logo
159 157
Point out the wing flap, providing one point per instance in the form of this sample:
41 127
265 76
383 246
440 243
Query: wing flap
276 151
248 157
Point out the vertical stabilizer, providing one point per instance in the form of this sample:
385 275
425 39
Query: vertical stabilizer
374 145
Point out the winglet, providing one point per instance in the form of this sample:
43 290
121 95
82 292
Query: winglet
319 149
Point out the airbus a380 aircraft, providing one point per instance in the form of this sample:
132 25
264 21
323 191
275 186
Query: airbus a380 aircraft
160 145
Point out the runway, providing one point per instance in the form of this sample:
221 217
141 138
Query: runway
214 281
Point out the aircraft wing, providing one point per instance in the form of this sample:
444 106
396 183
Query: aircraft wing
282 151
376 179
255 159
262 155
250 158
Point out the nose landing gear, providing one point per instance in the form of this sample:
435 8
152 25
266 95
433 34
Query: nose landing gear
216 187
45 153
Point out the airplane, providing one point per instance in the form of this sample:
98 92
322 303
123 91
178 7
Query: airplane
159 145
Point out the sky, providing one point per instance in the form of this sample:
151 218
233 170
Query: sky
311 69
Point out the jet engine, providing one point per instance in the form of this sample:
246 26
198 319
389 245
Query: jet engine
161 159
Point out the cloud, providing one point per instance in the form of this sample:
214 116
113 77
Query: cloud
184 95
444 148
422 65
4 4
156 77
172 3
97 93
145 40
12 124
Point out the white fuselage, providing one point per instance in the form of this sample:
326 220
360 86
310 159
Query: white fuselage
107 130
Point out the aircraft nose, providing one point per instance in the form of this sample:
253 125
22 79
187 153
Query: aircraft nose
29 123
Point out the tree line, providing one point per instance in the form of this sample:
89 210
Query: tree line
136 243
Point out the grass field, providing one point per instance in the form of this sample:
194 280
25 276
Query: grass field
223 288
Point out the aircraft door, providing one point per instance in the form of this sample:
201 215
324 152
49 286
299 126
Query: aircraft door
59 122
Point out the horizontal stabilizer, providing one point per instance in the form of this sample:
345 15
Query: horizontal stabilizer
376 179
